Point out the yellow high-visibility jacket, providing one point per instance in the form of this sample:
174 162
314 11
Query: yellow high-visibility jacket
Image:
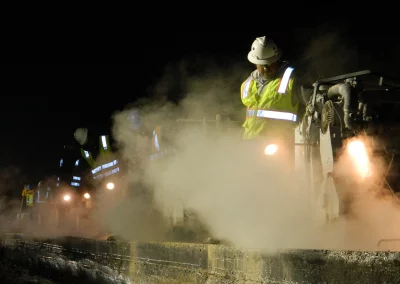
269 105
28 194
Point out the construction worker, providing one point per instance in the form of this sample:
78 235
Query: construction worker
140 141
135 120
101 159
72 165
43 193
159 150
160 147
27 196
276 95
136 124
149 134
273 93
43 196
87 144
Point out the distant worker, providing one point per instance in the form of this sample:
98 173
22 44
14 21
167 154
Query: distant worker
158 150
156 142
73 165
28 200
88 144
141 136
27 195
150 133
43 193
273 92
98 153
42 199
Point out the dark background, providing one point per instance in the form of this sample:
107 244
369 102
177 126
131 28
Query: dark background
42 104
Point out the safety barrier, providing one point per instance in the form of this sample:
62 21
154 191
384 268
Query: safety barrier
142 262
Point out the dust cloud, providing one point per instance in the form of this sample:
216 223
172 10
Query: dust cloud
10 186
230 187
239 194
327 51
226 181
139 217
373 208
43 220
330 56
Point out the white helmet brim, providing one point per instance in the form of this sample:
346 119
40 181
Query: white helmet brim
265 61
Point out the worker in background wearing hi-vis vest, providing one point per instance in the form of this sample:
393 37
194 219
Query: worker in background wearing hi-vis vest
88 146
157 148
151 132
272 93
104 163
27 200
27 194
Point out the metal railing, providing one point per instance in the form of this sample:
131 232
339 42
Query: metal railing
217 123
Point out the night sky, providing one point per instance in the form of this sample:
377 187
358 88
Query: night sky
42 104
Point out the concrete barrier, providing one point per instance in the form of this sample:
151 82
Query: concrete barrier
141 262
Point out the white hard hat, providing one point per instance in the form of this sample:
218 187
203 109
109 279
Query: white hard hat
135 119
264 51
81 135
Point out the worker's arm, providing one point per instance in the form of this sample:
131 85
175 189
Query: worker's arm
248 97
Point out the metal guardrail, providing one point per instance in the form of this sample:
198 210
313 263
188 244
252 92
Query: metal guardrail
387 241
218 121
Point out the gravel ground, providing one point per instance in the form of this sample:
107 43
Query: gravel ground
11 274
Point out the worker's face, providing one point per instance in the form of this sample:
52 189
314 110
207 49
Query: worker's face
268 71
